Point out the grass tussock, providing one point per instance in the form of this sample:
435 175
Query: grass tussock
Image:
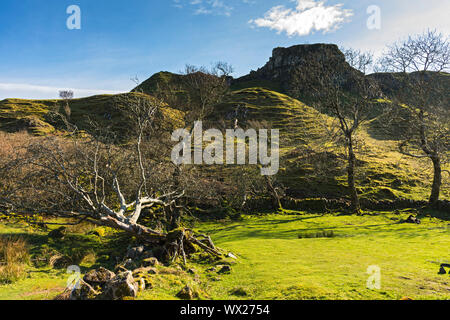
14 258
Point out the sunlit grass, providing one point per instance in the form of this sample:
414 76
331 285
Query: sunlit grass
273 263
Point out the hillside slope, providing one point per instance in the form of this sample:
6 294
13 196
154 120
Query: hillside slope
310 166
37 116
313 167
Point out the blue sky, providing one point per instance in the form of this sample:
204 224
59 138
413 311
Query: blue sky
121 39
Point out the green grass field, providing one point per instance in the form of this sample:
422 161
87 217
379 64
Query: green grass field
276 265
273 263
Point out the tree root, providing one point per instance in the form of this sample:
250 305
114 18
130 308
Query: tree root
181 242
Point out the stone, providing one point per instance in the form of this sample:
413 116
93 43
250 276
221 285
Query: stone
187 293
442 268
224 269
148 254
149 270
83 292
191 271
412 219
57 234
128 264
135 252
150 262
239 292
99 277
144 277
121 286
60 261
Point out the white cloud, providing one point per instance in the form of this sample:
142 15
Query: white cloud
307 17
28 91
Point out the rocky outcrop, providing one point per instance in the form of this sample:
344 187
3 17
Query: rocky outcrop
285 64
99 277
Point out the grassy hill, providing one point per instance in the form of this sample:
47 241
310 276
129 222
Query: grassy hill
37 116
161 80
311 167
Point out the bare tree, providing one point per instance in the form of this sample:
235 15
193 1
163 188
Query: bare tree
358 59
347 96
421 103
206 87
427 136
66 95
429 51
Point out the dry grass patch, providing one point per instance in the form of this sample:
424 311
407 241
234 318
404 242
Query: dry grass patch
14 258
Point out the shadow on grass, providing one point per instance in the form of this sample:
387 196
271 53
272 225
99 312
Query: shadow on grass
273 228
433 213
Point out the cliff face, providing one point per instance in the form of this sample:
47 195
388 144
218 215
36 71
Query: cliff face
285 63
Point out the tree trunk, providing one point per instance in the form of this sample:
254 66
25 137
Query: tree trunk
157 238
437 180
142 232
355 205
274 193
